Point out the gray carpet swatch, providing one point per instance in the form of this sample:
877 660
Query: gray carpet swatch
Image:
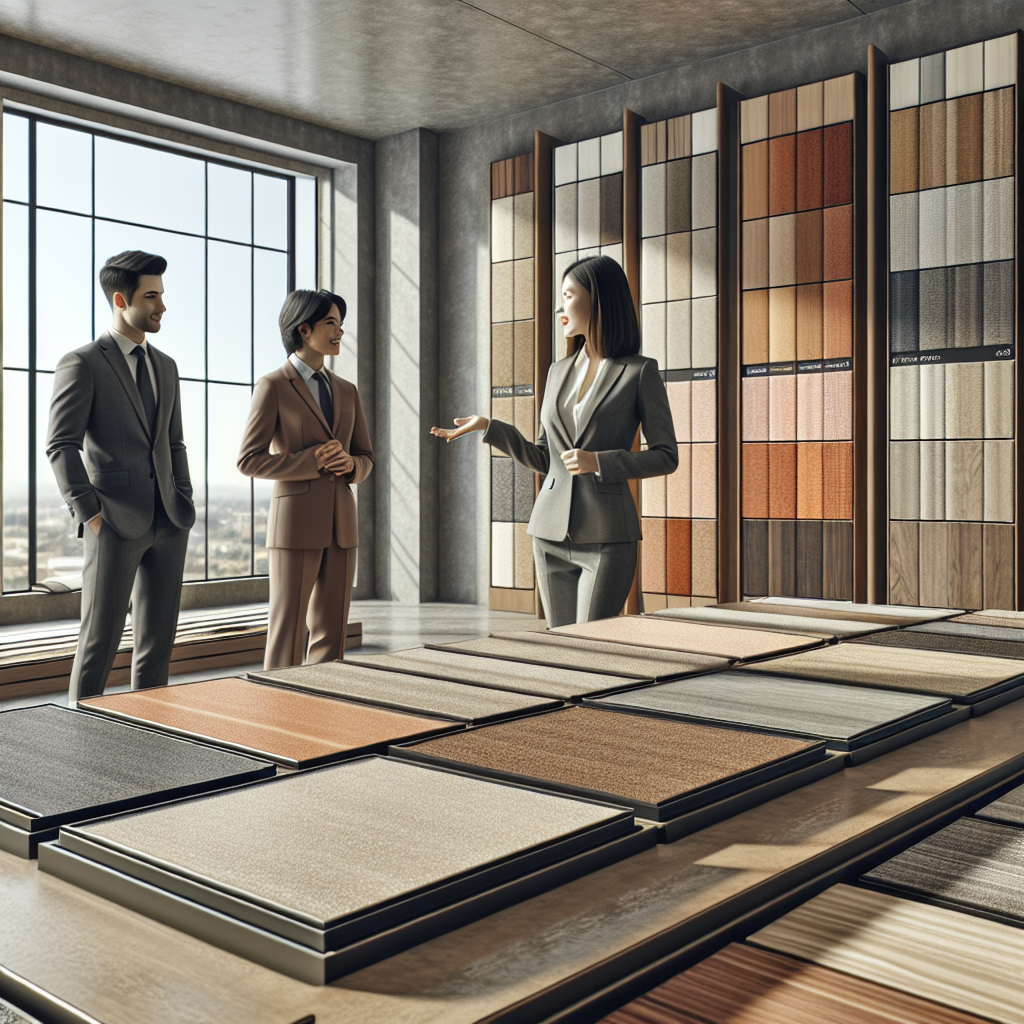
1008 808
975 864
943 642
405 692
1009 633
835 713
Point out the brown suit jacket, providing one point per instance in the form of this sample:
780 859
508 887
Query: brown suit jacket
285 428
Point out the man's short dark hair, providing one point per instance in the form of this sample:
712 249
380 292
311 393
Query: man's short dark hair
121 273
306 307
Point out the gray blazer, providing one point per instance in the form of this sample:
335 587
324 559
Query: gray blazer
96 408
583 508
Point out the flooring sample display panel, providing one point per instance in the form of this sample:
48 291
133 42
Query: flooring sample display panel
658 767
952 345
403 692
742 984
846 717
542 680
58 765
851 609
971 864
994 617
268 856
946 642
800 174
699 637
297 730
584 941
979 631
955 959
538 647
1008 809
966 678
513 376
824 629
679 328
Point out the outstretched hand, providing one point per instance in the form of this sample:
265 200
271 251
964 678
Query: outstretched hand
464 425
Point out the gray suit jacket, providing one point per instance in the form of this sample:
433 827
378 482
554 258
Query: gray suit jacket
583 508
96 408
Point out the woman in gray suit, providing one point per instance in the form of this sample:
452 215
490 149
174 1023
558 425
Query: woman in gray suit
584 523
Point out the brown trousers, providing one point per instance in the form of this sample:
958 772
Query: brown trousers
308 587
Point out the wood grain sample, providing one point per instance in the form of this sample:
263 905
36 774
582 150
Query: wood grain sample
837 474
997 134
964 481
781 481
998 559
933 146
810 407
809 552
965 384
782 175
965 565
755 481
957 960
809 241
782 242
903 150
782 112
653 555
782 557
838 244
903 563
809 170
809 480
755 180
754 557
963 139
965 69
704 554
933 479
782 407
809 326
781 325
999 481
934 561
755 254
837 560
677 556
838 146
810 106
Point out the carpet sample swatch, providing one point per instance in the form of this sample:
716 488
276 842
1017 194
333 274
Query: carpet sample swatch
1011 634
805 611
545 648
994 617
944 642
323 847
825 628
846 717
404 692
966 678
1008 808
955 959
974 864
58 765
894 611
294 729
742 984
698 637
659 767
560 683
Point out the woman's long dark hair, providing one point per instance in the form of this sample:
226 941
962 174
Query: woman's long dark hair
612 314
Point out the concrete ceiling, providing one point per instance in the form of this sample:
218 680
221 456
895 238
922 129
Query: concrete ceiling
378 67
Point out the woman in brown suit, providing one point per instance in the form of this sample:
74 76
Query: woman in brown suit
307 432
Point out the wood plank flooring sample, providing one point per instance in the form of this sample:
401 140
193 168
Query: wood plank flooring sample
754 556
933 479
837 567
965 495
809 325
755 180
965 565
934 561
998 384
903 563
998 557
905 479
781 481
809 558
903 150
782 557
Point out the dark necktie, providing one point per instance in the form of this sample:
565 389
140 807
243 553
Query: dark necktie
145 386
326 404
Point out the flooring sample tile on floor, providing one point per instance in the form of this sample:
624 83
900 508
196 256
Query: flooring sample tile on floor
994 617
1008 809
967 678
980 631
698 637
846 717
944 642
658 767
955 959
297 730
270 856
542 680
742 984
404 692
823 628
801 610
970 864
895 611
538 647
59 765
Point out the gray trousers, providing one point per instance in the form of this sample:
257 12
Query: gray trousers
147 570
583 582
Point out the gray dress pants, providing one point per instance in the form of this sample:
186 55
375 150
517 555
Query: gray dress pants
583 582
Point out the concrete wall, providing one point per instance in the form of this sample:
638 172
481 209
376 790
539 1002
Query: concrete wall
902 32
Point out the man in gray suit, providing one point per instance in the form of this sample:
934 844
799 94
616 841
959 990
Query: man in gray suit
117 400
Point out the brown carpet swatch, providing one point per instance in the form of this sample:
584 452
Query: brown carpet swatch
755 325
652 556
677 556
809 325
838 245
809 180
755 180
755 481
838 147
782 175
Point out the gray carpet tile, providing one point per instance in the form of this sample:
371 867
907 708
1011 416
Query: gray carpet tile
405 692
970 629
326 844
11 1015
56 762
544 648
976 864
766 620
1008 808
543 680
953 644
782 704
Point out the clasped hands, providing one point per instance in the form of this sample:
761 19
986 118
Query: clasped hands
333 457
576 460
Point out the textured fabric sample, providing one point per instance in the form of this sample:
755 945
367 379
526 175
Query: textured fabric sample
963 139
935 309
904 232
704 170
965 400
933 401
565 218
838 146
653 327
652 203
652 555
966 293
755 481
904 311
782 407
809 326
502 248
588 213
965 69
766 619
998 219
501 490
522 504
837 475
964 477
415 694
704 313
755 327
903 150
933 78
522 225
933 146
997 134
838 405
699 638
611 209
810 406
964 223
755 180
704 557
998 303
809 481
501 354
842 714
522 308
809 173
1009 808
838 319
905 402
782 481
961 627
782 251
679 401
891 614
933 479
966 677
652 269
522 554
781 557
678 180
546 648
781 325
501 291
704 469
755 254
677 557
932 226
782 175
58 765
974 864
838 244
754 557
545 682
297 829
745 985
939 954
677 334
999 481
954 644
285 725
754 392
704 411
678 266
638 758
503 555
678 486
809 240
905 480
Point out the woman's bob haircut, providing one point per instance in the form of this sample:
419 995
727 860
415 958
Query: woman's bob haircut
306 307
613 324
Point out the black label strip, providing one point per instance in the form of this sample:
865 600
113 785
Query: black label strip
705 373
807 366
509 391
977 354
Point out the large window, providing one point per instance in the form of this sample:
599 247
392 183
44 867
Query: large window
236 239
